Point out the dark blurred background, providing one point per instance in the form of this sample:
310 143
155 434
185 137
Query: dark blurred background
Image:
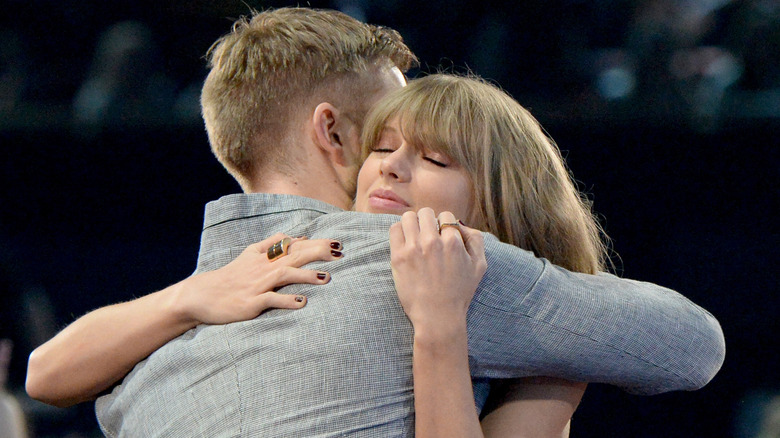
666 110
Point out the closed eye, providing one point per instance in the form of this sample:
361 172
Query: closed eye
436 162
382 150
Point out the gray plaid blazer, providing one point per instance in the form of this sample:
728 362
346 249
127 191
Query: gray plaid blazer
341 366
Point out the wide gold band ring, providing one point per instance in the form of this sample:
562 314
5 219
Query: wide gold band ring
449 224
279 249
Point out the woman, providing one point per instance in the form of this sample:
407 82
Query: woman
460 144
449 143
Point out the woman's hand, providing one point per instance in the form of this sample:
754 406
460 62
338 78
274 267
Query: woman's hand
436 272
436 268
244 288
109 341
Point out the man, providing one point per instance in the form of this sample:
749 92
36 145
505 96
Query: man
283 105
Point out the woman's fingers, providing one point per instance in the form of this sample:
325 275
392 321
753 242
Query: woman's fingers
411 226
289 275
262 246
474 242
273 300
449 225
428 224
397 237
435 274
472 239
301 252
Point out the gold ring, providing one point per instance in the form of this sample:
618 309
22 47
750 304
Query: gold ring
449 224
279 249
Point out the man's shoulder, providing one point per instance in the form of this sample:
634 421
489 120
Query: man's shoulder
508 264
356 221
235 221
246 205
494 248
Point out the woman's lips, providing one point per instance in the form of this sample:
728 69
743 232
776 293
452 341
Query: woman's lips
386 200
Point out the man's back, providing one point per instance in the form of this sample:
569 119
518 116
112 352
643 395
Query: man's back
342 365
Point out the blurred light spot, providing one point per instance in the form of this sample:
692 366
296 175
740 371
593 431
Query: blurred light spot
616 83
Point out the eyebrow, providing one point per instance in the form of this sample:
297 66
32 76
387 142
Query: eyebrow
387 129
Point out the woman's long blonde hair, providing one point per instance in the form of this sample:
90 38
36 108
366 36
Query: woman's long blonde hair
523 192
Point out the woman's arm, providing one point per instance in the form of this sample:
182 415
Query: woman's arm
436 272
436 275
443 395
100 348
533 407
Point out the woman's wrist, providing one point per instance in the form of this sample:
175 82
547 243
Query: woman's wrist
441 334
174 301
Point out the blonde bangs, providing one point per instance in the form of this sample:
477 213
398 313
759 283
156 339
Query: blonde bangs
430 117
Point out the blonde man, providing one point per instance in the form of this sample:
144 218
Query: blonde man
284 105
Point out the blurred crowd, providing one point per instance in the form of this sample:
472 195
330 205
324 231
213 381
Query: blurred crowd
693 58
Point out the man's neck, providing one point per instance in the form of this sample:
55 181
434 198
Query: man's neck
314 175
330 192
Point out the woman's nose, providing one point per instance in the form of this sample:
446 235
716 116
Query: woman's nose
393 166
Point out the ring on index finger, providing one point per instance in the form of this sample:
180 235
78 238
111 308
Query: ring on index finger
279 249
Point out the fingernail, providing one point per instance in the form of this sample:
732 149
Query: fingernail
322 275
461 222
299 298
336 253
335 245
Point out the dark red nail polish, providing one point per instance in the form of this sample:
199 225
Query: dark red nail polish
299 299
335 245
321 275
336 253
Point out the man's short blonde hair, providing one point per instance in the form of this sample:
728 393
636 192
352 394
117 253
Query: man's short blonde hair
271 63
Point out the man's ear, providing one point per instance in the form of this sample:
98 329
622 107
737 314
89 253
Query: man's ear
331 131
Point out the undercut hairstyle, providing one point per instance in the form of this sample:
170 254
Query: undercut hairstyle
273 63
523 192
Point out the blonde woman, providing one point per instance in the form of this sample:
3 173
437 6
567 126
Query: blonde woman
461 145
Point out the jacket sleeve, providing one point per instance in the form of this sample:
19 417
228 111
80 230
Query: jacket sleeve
530 317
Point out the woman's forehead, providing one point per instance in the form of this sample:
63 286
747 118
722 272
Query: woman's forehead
411 134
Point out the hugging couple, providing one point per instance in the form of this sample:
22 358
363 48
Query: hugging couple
454 278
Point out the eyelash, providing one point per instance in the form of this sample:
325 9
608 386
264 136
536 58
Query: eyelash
390 151
437 163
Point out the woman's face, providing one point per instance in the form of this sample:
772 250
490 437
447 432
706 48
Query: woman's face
398 177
